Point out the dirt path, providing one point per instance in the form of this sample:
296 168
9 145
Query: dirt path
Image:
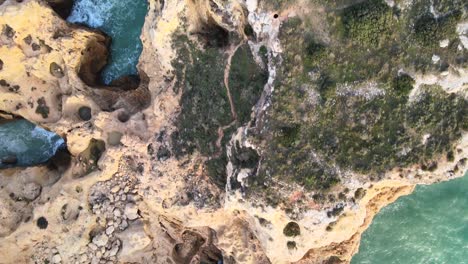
227 70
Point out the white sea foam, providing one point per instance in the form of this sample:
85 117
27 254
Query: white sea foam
93 13
29 143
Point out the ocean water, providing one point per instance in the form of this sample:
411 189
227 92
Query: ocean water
31 144
430 226
122 20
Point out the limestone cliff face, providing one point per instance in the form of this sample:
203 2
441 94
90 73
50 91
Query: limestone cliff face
132 189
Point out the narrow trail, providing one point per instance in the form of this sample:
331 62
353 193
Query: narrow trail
227 70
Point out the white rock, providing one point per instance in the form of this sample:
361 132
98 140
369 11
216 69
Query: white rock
92 246
444 43
464 41
117 213
100 240
435 58
56 258
115 189
110 230
131 211
84 258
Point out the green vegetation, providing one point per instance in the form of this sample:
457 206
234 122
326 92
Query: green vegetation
429 30
246 82
402 84
205 103
292 229
342 104
368 22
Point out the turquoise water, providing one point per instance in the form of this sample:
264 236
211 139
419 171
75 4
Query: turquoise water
32 145
122 20
429 226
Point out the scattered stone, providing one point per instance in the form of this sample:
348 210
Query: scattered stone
117 213
92 246
101 240
84 113
435 58
131 211
56 70
56 258
110 230
42 223
115 189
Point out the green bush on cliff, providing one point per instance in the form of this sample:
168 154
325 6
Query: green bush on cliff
367 22
403 84
429 30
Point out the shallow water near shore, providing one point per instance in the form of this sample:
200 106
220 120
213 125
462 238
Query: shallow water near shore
122 20
428 226
30 144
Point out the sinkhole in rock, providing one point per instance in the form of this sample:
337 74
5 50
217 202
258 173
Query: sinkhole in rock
122 20
24 144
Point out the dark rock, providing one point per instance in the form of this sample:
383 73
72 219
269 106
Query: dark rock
87 161
8 31
85 113
1 65
359 193
291 245
334 260
123 117
292 229
42 222
163 153
10 160
28 40
42 107
56 70
61 7
61 161
14 88
35 47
